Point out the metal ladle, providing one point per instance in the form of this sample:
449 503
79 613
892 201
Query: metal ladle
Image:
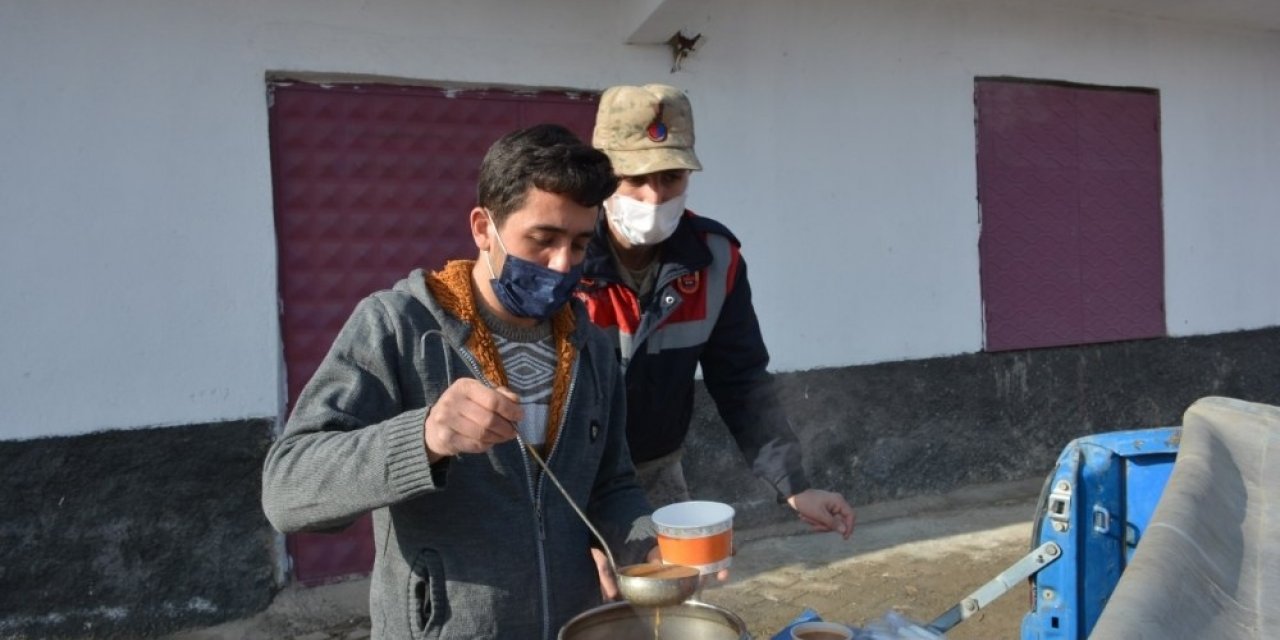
651 584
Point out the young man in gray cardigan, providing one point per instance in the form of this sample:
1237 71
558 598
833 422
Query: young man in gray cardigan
422 411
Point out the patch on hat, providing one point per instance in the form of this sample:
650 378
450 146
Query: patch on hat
657 129
645 129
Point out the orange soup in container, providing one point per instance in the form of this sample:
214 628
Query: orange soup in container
696 534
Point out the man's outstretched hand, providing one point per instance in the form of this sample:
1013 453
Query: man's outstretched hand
824 511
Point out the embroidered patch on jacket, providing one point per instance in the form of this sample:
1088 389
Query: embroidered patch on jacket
688 284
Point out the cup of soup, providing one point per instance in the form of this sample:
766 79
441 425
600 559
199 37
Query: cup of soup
821 631
696 534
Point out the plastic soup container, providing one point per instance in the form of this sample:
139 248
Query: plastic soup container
696 534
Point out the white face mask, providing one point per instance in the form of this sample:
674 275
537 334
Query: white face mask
642 223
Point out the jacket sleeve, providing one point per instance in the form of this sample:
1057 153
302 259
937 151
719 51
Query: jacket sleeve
735 368
351 445
618 506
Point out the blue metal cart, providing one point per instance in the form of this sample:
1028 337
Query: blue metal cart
1095 506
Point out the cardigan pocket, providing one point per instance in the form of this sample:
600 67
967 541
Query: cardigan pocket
428 602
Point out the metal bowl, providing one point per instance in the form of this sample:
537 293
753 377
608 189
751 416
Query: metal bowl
689 621
654 584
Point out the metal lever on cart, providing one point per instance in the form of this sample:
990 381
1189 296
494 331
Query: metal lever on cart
1039 558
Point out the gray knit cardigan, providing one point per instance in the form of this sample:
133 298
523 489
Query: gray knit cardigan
477 546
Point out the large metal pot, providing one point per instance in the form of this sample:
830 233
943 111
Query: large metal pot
689 621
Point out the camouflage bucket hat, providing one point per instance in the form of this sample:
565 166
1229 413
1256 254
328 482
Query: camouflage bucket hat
645 129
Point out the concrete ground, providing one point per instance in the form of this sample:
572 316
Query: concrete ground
917 557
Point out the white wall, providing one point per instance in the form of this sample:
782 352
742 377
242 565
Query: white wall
851 127
137 259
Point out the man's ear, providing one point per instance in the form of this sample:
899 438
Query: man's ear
480 228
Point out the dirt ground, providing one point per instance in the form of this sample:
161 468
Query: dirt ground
919 566
924 589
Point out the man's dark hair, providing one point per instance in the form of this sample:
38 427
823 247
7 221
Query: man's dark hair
547 157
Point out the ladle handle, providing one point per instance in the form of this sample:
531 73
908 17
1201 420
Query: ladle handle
603 545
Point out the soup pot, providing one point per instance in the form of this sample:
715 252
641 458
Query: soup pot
689 621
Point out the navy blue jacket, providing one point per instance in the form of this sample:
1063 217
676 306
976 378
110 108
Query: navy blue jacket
700 313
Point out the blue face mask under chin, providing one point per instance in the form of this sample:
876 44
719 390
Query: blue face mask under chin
527 289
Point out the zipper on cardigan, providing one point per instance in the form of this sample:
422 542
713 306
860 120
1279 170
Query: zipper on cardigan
537 487
564 418
541 488
535 495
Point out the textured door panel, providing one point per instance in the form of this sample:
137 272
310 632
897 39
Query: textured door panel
1071 242
371 181
1122 263
1122 244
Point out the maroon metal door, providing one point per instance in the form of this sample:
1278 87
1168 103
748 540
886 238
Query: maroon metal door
1072 243
371 181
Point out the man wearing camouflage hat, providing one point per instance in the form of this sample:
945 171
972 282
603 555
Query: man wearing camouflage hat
671 288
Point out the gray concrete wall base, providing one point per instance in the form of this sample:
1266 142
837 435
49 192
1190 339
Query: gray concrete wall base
924 427
128 534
